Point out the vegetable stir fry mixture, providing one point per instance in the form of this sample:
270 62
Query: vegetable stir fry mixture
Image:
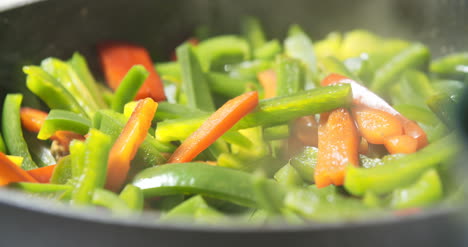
241 128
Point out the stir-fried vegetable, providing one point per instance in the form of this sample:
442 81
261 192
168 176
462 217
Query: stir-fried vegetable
245 128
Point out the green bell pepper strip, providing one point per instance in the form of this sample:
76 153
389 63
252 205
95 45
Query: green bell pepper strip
289 176
215 53
171 111
415 56
268 50
2 144
253 32
13 134
305 163
290 76
128 87
66 76
133 197
80 66
333 65
188 178
451 66
414 88
63 171
169 71
77 153
268 194
41 151
297 45
63 120
49 90
399 172
97 147
195 209
110 200
230 160
453 88
357 42
269 112
276 133
112 123
248 70
194 83
225 85
41 188
425 191
444 107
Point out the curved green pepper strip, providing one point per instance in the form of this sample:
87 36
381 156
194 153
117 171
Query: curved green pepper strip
225 85
426 190
2 144
40 150
11 127
133 197
215 53
253 32
128 87
169 71
268 50
290 76
199 178
195 209
63 120
289 176
63 171
305 163
402 171
453 65
110 200
276 132
333 65
66 76
97 147
80 66
415 56
49 90
444 107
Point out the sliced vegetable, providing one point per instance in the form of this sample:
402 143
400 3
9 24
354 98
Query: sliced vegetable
42 174
11 173
129 86
32 119
401 144
60 120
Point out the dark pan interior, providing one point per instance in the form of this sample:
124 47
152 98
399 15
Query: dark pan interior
58 28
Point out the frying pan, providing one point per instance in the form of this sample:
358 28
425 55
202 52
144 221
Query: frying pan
33 30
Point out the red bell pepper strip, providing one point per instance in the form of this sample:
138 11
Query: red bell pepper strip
42 174
215 126
11 173
117 58
267 79
363 96
125 147
32 119
338 145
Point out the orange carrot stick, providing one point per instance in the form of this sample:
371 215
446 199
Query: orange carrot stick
401 144
42 174
11 173
117 58
338 145
125 147
267 79
376 125
32 119
215 126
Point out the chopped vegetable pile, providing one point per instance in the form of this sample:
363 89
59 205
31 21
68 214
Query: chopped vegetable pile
241 128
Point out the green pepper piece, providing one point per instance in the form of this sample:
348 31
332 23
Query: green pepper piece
357 42
451 66
63 171
444 107
194 83
253 32
305 163
414 88
80 66
226 85
399 172
289 176
63 120
298 45
97 147
77 153
169 71
290 76
333 65
171 111
11 127
453 88
128 87
110 200
41 188
195 209
215 53
2 144
248 70
329 46
65 75
268 195
425 191
49 90
413 57
133 197
188 178
276 133
268 51
40 150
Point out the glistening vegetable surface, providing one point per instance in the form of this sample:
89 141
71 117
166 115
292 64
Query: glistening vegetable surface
241 128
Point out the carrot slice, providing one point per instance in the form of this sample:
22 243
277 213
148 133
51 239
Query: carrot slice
338 144
413 130
375 125
32 119
215 126
11 173
42 174
402 144
117 58
125 147
267 79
